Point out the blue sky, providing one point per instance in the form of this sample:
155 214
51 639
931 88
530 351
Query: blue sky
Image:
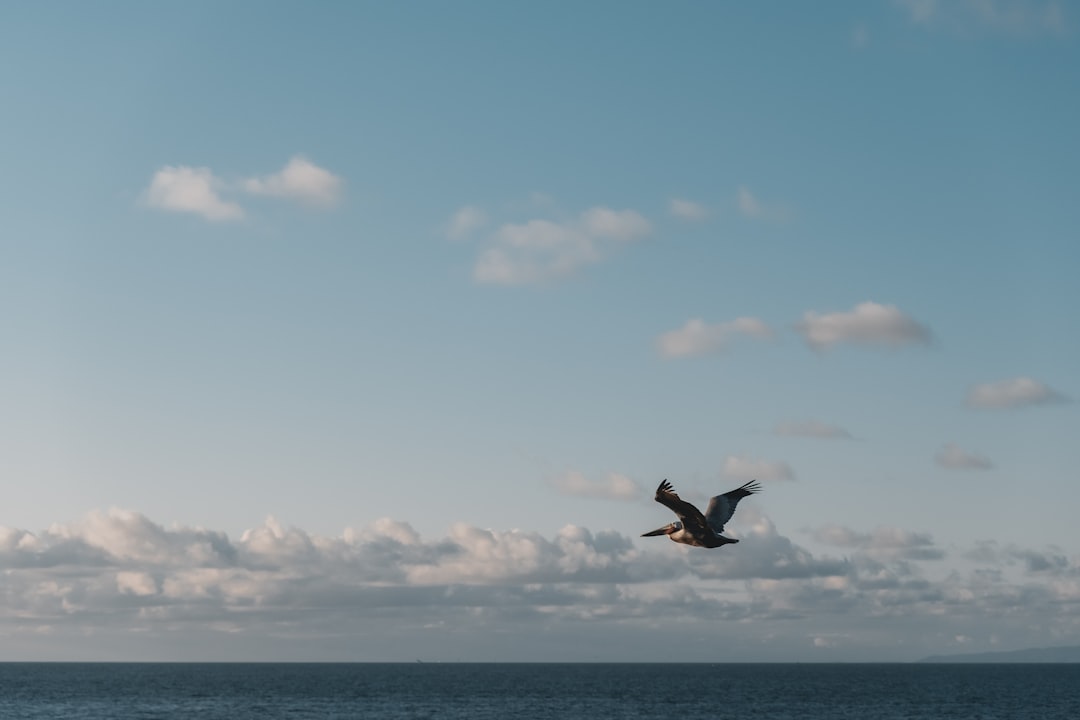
337 325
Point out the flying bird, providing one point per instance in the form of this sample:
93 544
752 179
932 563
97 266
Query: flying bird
693 528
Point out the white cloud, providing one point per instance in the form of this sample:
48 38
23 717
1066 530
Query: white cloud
136 583
956 458
688 210
697 337
612 487
301 180
810 428
741 467
193 190
543 250
868 324
465 222
1011 393
117 585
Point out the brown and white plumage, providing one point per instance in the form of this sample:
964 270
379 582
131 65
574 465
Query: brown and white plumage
694 527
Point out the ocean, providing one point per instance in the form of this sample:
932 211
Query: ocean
73 691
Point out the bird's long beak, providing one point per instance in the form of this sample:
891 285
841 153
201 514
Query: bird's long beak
658 531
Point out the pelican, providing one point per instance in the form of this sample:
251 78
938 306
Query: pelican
696 529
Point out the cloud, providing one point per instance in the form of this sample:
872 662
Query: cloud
136 583
465 222
540 250
300 180
192 190
868 324
860 36
810 428
687 210
199 191
744 468
920 11
613 487
1020 16
1047 561
766 554
955 458
602 222
1015 17
1012 393
116 585
752 207
888 542
697 337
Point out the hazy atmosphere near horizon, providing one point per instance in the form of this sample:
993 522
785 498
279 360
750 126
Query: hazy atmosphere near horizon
366 331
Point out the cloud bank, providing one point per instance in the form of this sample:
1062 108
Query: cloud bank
118 579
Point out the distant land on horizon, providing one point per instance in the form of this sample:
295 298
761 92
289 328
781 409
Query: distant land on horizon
1063 654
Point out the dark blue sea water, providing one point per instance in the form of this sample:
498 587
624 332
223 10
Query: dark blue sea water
567 692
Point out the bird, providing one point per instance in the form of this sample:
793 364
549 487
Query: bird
693 528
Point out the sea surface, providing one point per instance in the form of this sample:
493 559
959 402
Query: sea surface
565 691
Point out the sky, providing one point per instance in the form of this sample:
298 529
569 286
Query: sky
366 331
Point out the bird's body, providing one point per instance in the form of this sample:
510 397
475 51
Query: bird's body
693 527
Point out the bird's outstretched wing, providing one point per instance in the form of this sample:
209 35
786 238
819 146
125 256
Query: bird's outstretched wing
691 517
722 507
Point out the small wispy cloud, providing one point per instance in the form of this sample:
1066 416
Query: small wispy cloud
300 180
465 222
867 324
751 206
602 222
697 337
541 250
810 428
1015 17
1011 393
612 487
741 467
190 190
919 11
860 36
954 457
687 210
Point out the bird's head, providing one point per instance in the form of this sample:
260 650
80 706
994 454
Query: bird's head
666 530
